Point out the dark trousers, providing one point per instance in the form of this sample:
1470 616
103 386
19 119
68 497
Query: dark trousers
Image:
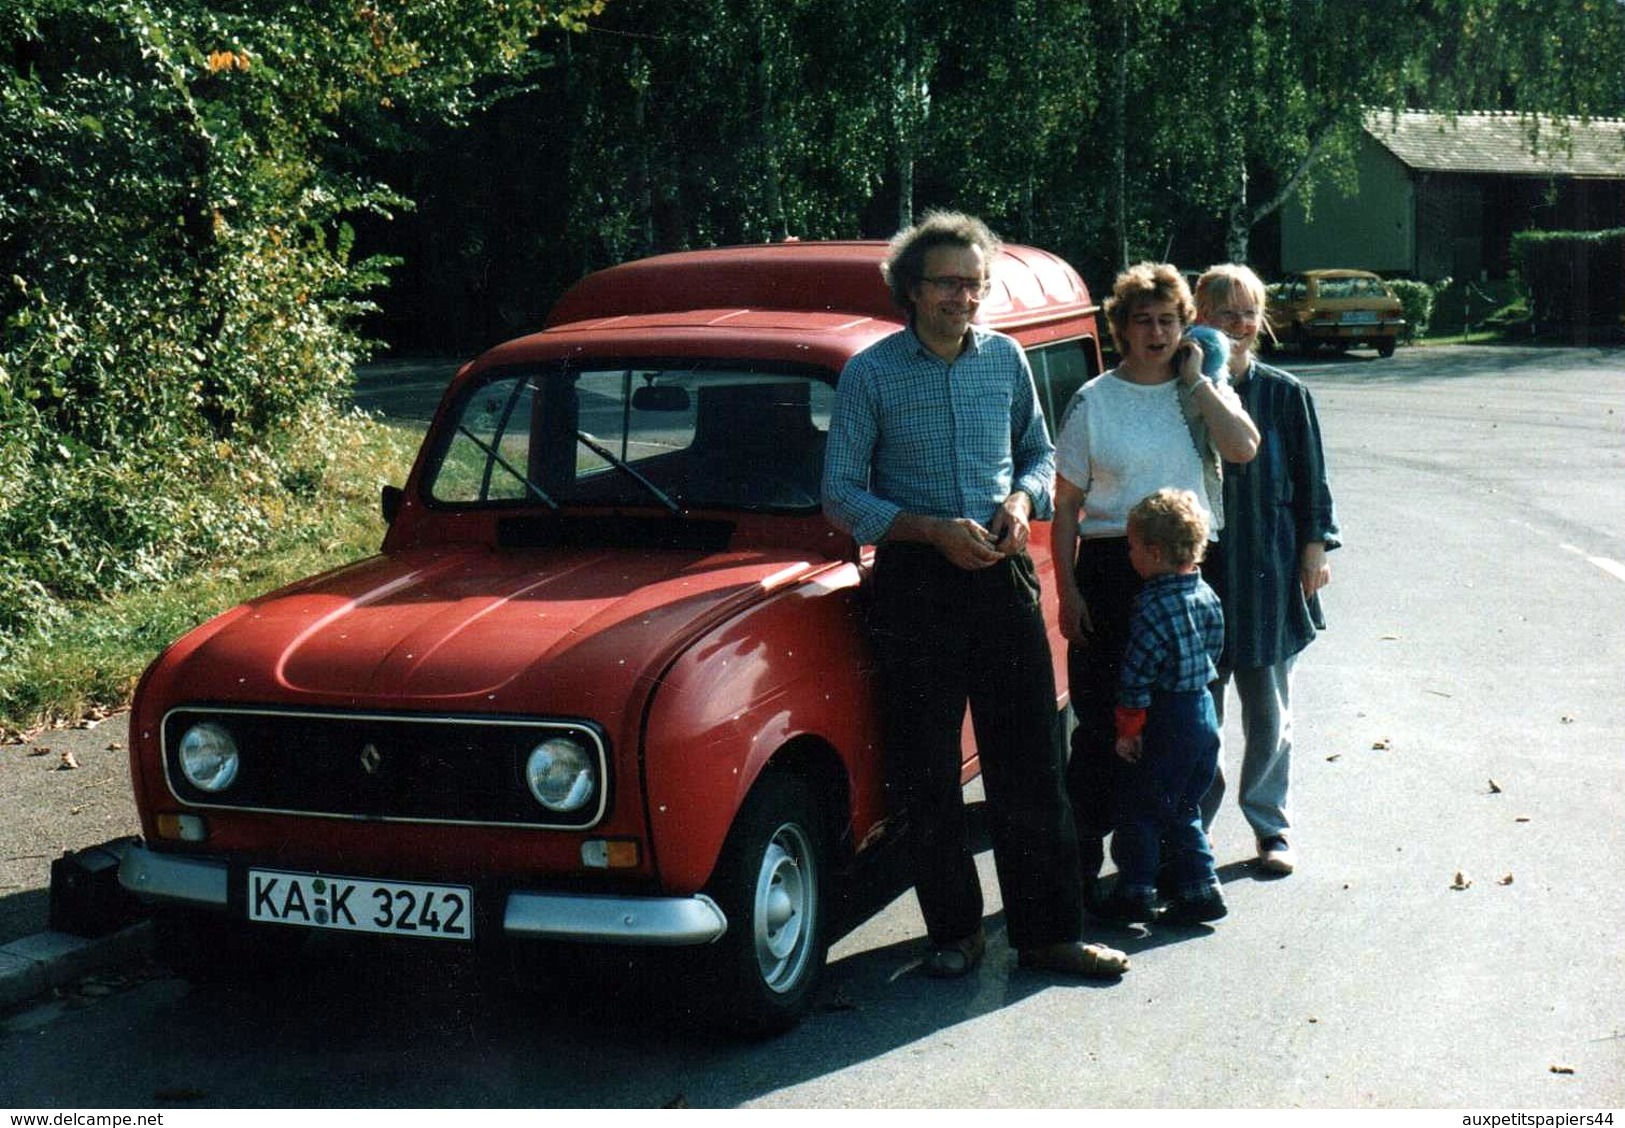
1160 797
946 638
1109 584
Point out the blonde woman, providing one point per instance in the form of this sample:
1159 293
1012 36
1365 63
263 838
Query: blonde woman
1279 526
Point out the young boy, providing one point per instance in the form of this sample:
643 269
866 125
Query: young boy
1167 730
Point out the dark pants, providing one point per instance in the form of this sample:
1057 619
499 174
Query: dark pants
1109 584
946 637
1160 797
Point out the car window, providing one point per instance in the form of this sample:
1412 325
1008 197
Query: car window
704 437
1343 288
1059 370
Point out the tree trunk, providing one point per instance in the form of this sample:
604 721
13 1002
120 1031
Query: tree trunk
1120 138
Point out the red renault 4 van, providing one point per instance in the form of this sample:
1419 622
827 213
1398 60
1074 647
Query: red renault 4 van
605 683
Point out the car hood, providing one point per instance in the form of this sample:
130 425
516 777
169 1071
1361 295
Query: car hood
475 629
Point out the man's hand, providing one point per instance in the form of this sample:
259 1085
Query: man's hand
1010 525
965 543
1129 748
1314 572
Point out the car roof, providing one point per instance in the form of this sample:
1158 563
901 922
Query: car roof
1028 286
755 302
1340 273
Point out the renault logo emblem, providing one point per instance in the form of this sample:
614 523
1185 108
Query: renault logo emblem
371 759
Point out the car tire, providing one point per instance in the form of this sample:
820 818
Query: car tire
771 883
1385 348
208 948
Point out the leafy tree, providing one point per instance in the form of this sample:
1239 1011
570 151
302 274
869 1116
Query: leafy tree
181 297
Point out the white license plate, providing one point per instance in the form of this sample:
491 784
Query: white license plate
351 904
1360 317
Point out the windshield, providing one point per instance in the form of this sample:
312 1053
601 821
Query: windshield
1336 288
719 437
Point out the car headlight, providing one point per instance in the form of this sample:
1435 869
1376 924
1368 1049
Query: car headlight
562 774
208 757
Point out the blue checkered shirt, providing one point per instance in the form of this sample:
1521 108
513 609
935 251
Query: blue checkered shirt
1174 640
911 433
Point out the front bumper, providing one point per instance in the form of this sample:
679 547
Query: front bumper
584 918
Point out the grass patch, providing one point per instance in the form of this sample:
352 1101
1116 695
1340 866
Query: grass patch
92 658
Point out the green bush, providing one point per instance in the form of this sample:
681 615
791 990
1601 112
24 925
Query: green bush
179 301
1576 279
1416 299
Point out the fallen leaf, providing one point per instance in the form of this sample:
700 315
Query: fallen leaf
1568 719
1388 638
1495 788
114 747
87 723
1462 881
41 750
68 763
1562 1069
1521 818
1382 745
1505 879
75 810
1440 693
1334 756
1312 1018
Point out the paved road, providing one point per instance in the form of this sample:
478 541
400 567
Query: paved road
1476 636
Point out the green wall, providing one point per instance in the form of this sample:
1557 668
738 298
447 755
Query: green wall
1372 229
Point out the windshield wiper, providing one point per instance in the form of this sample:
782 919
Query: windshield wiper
610 457
494 455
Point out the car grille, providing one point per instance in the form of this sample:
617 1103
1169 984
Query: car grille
405 768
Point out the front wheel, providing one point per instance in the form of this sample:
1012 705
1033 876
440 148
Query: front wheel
1385 347
771 883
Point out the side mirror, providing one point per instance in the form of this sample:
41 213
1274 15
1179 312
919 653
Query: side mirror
390 503
664 397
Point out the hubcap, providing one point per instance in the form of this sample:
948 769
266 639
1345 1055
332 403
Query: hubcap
785 908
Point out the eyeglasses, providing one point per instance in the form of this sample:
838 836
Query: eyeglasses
1229 316
950 284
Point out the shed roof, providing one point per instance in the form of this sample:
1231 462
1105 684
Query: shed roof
1501 143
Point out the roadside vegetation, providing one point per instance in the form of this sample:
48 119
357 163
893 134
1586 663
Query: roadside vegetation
88 656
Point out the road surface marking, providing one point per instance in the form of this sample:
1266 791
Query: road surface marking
1613 567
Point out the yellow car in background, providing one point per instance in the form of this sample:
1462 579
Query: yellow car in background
1339 309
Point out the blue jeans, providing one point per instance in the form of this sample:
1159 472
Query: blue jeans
1159 797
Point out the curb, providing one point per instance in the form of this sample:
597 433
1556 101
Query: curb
35 964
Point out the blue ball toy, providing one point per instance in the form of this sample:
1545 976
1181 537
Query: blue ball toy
1215 350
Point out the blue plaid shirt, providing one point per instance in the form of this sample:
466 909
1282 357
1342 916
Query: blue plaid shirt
911 433
1174 640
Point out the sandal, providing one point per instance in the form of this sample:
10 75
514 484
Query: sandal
1092 961
956 960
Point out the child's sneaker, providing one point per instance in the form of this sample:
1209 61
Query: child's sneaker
1126 907
1208 907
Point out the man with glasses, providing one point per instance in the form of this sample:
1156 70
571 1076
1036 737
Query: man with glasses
938 455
